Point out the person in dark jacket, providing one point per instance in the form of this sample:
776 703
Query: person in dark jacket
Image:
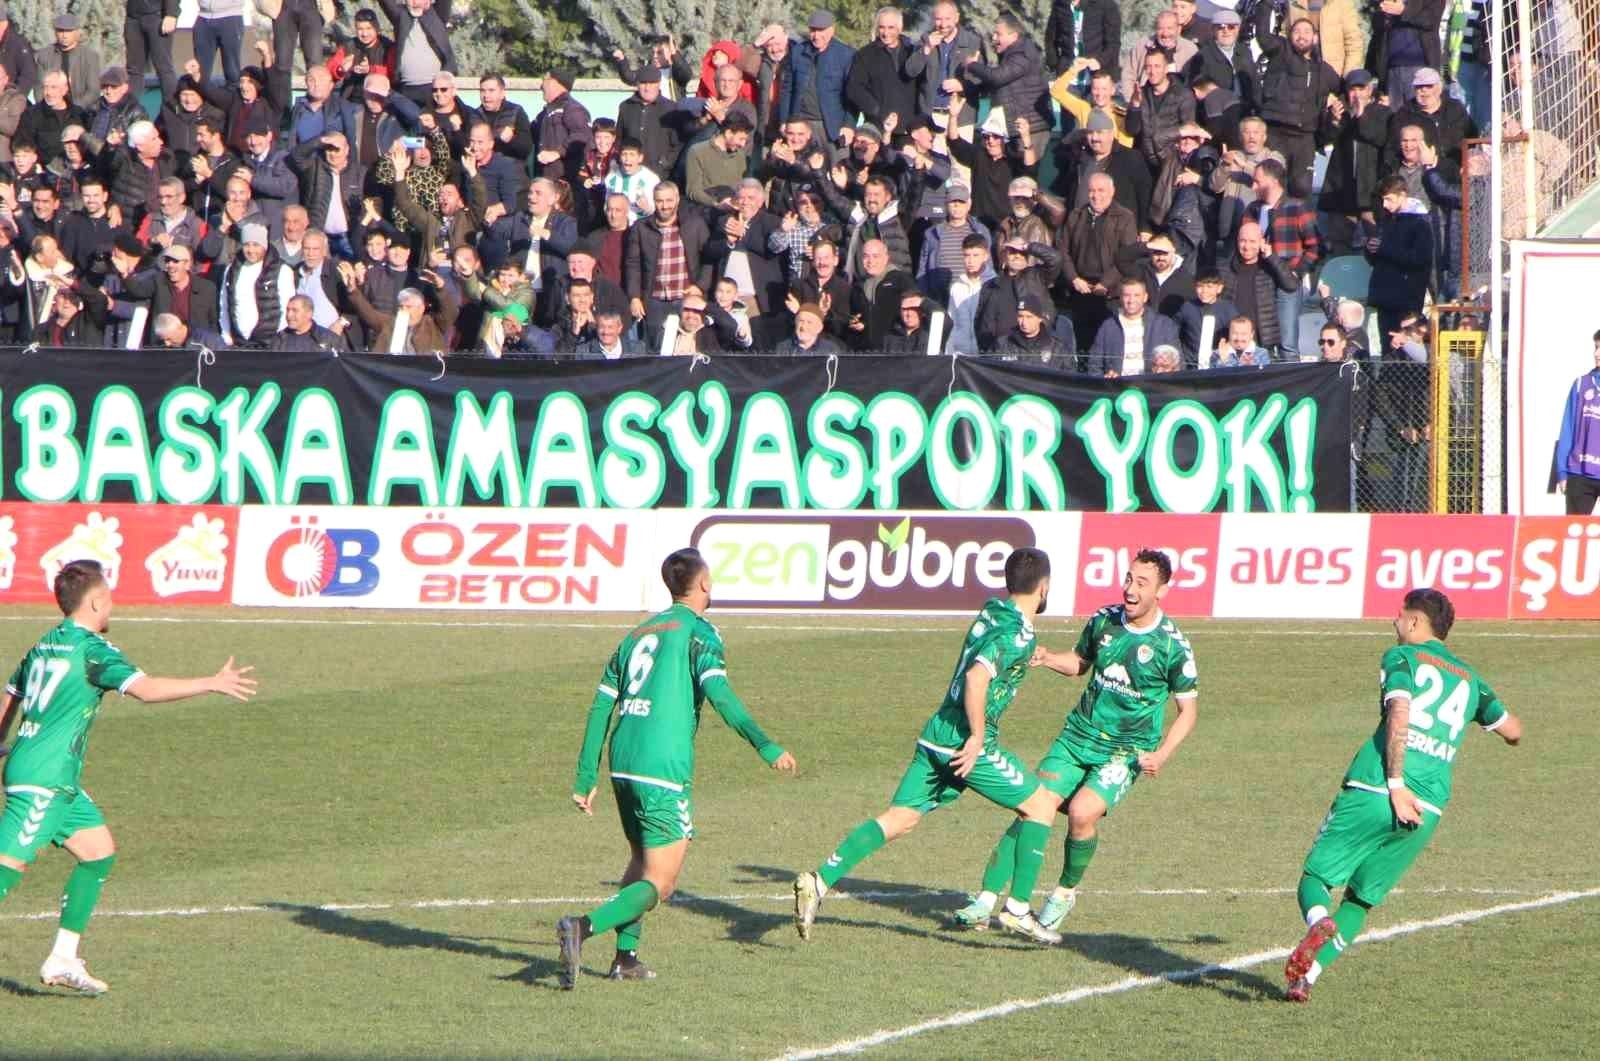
879 85
1027 269
301 334
1112 354
1099 39
320 111
809 337
1405 37
1295 86
1226 61
911 334
1032 340
421 45
512 129
1091 244
1097 151
610 342
1167 275
331 183
1203 321
875 297
1251 280
135 170
995 161
77 59
255 291
563 132
147 31
939 57
656 123
368 52
78 320
256 97
42 122
119 106
16 53
670 237
1161 105
819 69
1358 130
180 118
1401 253
1444 122
1016 79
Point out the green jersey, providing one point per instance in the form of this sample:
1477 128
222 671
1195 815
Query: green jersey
657 680
1000 641
1445 694
60 682
1134 671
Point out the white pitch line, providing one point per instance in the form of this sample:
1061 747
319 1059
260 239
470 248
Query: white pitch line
1173 976
693 900
732 621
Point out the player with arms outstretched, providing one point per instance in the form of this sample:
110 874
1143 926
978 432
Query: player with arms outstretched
959 749
656 681
56 691
1397 785
1137 659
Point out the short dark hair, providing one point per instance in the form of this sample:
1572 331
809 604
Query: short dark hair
1026 568
486 78
1157 559
630 143
1274 169
680 569
1441 614
1390 185
737 122
75 581
578 282
975 242
604 125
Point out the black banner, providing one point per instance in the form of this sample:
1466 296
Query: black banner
729 432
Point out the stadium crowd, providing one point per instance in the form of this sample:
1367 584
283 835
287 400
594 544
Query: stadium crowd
1031 191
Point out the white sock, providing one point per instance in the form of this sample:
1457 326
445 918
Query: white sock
1016 907
66 945
988 899
1313 972
1062 892
1315 914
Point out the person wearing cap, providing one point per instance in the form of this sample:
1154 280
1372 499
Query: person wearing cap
421 46
941 259
1091 244
563 131
809 338
939 57
1405 38
119 106
1358 129
331 183
819 69
1027 219
1295 85
1083 35
879 85
1227 61
650 118
255 97
1165 37
583 263
1097 96
920 170
1097 149
994 161
1127 337
1025 269
255 291
1158 108
1445 123
44 121
179 118
1033 339
79 61
1014 83
273 183
16 54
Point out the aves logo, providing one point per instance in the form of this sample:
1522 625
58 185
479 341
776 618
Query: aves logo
308 561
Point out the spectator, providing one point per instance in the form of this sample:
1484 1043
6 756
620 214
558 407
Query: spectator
1203 321
1090 244
664 255
1165 359
447 114
219 27
1332 344
1351 318
256 288
1087 32
1015 83
119 107
994 165
939 59
172 223
79 61
611 242
1127 337
301 334
610 341
879 85
421 45
1026 269
255 99
878 220
290 240
1295 86
1167 275
297 22
765 64
1158 108
210 168
562 131
695 334
317 279
1358 129
796 232
1030 338
1444 122
1405 38
583 263
1027 220
1190 26
1252 280
1401 253
1239 349
1338 30
1578 448
809 337
38 280
1101 92
818 71
136 171
77 319
712 168
173 334
95 230
965 293
13 106
273 184
536 239
413 330
504 181
43 216
368 52
319 111
911 333
1411 164
1289 227
739 249
180 119
16 54
1227 62
330 184
380 122
655 123
943 256
630 178
508 331
1097 150
1469 60
729 313
43 122
666 67
721 55
508 122
221 244
829 288
147 31
1166 39
875 296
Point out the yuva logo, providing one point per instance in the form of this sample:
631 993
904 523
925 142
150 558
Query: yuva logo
194 561
8 552
933 562
97 538
307 561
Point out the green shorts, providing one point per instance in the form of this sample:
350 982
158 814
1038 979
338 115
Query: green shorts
929 783
36 816
1360 844
654 815
1067 767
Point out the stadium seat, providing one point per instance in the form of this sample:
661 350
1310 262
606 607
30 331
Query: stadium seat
1347 276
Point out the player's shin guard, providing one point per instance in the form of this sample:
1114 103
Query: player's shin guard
9 876
1079 852
83 891
630 904
863 840
1002 860
1031 838
1315 899
1350 917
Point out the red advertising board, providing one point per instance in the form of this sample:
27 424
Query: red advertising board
1467 557
152 554
1557 573
1109 542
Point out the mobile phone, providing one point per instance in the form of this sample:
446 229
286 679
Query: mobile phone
411 143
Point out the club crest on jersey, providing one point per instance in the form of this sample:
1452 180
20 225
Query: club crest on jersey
1105 640
1146 653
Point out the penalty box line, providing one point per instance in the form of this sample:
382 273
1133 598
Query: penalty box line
864 895
1172 976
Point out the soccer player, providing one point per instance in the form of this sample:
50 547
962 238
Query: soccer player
1396 787
56 690
657 680
958 749
1137 659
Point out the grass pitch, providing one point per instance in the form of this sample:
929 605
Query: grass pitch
370 859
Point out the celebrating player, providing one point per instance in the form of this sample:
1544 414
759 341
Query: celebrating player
58 686
1367 842
657 680
958 750
1138 660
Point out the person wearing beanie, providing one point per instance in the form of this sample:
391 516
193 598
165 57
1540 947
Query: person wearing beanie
563 131
256 289
809 338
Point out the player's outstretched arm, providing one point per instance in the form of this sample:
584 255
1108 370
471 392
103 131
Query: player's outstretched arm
1150 763
726 702
1508 729
229 681
1068 663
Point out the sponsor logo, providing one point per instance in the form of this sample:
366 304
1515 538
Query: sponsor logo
920 562
1110 543
1114 676
1190 671
1146 653
1114 774
1468 557
1558 568
96 538
510 562
1291 565
308 561
194 561
8 552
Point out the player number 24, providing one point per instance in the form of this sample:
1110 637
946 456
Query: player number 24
1454 709
43 678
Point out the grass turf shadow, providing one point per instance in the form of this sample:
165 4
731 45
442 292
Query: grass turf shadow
1147 957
